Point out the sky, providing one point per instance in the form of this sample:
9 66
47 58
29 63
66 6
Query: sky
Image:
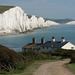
53 9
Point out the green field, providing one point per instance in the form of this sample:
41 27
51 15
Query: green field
5 8
33 67
71 67
30 69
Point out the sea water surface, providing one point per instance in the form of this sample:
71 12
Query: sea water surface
16 42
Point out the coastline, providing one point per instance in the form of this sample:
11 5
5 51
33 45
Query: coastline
28 31
8 34
24 38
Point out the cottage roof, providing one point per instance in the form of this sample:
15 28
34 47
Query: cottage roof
56 44
32 45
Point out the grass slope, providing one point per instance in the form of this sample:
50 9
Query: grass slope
71 67
34 66
5 8
10 59
61 21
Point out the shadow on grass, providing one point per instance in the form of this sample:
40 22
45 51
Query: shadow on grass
71 67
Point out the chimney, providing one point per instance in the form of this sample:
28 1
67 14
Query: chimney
53 39
62 39
42 40
34 40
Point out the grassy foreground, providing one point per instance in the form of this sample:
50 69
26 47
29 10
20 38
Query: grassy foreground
71 67
31 68
25 63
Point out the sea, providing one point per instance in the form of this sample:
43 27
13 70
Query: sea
16 42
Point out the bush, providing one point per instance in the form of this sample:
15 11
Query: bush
73 57
9 59
36 56
63 53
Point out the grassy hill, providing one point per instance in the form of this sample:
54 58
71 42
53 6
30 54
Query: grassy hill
5 8
62 21
13 62
10 59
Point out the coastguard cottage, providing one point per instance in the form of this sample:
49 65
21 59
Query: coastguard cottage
48 45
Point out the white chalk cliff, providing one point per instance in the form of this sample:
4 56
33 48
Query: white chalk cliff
15 20
72 22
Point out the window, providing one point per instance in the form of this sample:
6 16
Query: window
72 48
43 47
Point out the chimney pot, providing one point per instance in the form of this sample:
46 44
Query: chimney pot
42 40
53 39
62 39
34 40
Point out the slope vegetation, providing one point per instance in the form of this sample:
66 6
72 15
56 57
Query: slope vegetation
5 8
10 59
61 21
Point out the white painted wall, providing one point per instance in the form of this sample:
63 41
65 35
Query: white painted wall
68 46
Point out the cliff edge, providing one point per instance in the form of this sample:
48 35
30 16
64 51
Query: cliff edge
14 20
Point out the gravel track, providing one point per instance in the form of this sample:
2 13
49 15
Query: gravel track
54 68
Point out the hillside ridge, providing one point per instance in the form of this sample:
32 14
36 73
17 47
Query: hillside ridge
5 8
16 20
10 59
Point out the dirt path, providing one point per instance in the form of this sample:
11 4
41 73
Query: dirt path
53 68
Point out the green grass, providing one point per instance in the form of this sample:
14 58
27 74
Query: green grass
34 60
30 69
5 8
71 67
33 67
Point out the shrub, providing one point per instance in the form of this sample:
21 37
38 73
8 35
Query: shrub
9 59
5 8
63 53
73 57
37 56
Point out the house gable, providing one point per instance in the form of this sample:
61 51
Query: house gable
68 46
